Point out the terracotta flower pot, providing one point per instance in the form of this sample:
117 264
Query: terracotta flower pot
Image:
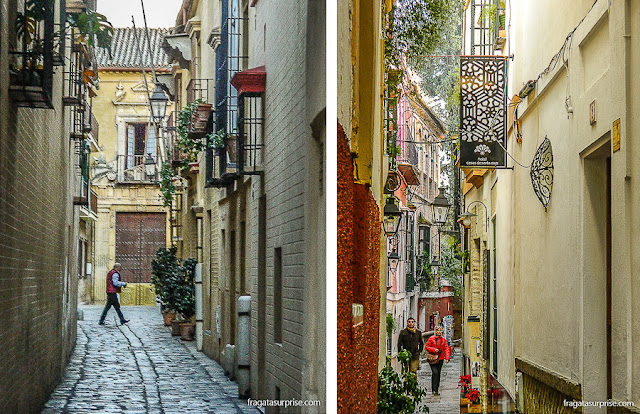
200 118
175 327
168 317
187 331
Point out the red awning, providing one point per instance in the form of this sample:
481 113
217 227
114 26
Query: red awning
409 174
250 80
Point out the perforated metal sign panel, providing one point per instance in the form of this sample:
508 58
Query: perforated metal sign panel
483 104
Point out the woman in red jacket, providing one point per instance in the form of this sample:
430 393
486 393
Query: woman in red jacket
438 345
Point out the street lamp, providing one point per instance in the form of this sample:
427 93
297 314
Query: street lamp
392 215
466 216
394 259
435 264
158 103
150 166
440 208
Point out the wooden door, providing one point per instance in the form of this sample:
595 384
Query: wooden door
138 237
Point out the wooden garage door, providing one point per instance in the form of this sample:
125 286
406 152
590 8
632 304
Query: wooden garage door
138 236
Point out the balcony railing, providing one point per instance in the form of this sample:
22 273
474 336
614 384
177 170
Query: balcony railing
94 126
31 57
85 197
200 89
133 169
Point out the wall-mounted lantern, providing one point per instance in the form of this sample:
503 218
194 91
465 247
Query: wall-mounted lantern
440 208
392 216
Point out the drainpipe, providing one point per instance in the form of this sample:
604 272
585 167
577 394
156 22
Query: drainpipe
198 282
243 347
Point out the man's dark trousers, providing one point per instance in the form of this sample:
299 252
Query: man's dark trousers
112 300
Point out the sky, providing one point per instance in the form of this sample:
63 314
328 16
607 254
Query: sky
160 13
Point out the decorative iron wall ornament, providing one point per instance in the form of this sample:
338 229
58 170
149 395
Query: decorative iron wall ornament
393 182
542 172
483 104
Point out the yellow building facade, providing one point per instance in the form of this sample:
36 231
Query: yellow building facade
132 221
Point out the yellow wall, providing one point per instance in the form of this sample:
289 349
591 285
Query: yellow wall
113 197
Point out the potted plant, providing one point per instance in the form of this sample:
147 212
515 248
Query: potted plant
474 401
201 117
164 268
216 139
92 29
185 298
465 386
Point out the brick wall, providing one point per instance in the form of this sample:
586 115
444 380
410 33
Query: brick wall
38 237
289 151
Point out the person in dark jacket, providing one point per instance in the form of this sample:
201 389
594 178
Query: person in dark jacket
411 339
437 344
114 284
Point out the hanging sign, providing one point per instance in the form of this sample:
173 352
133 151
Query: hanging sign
483 109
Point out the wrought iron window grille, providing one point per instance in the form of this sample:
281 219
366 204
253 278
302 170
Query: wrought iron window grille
250 133
222 166
200 89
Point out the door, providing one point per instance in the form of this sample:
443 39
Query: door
138 237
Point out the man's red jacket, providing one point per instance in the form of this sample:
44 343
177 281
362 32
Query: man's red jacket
435 343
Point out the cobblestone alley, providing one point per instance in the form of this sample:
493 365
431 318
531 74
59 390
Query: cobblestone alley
448 402
140 368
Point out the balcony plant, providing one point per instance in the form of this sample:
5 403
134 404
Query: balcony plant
93 29
216 139
190 143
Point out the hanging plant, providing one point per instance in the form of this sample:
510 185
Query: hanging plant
167 187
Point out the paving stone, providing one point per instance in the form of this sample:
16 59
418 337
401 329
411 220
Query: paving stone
140 368
448 402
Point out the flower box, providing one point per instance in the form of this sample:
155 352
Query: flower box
474 408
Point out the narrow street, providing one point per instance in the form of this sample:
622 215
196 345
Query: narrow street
448 402
140 368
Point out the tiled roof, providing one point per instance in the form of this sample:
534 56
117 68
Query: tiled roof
124 50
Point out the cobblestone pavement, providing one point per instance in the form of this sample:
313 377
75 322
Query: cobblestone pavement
140 368
448 402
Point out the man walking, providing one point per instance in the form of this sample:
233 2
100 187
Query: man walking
411 339
114 284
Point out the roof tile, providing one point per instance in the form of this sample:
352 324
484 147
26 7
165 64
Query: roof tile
124 50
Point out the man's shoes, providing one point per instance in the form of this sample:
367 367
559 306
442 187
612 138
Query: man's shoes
101 323
123 322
